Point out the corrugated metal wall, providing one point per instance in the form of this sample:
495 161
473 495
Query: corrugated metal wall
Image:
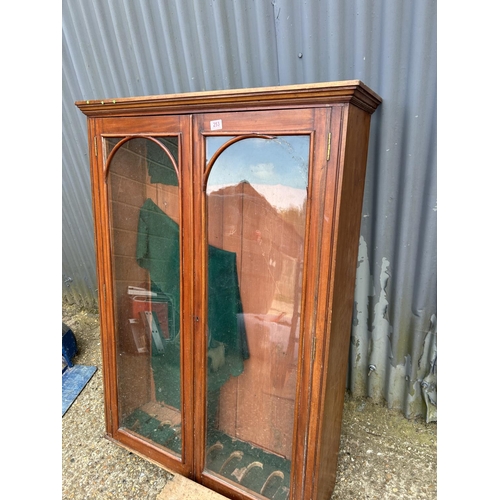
144 47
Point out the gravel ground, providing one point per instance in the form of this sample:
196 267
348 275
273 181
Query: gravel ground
94 468
382 454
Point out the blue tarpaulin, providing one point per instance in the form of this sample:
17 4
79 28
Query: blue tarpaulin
74 379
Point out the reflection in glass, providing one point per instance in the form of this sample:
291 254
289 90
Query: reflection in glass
144 207
256 201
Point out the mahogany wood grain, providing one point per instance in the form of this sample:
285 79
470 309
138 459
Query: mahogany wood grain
336 117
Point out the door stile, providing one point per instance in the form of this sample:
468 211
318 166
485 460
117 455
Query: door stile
327 258
200 250
187 287
103 274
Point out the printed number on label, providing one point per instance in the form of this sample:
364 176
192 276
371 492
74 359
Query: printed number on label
216 125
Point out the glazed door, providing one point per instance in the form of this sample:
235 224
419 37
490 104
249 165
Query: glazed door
255 191
143 177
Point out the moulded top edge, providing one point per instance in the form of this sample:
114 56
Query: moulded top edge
344 91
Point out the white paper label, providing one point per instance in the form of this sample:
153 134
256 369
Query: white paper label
216 125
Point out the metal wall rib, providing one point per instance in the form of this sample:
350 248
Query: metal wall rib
144 47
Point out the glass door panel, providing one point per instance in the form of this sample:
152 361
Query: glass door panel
256 211
143 196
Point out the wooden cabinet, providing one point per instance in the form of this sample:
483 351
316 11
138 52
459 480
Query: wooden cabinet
226 229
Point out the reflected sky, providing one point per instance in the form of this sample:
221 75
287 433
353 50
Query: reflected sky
280 161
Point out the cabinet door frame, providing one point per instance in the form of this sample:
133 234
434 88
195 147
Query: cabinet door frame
142 127
316 123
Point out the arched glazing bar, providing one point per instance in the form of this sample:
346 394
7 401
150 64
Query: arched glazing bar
232 141
129 138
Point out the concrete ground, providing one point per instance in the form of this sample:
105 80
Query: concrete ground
382 455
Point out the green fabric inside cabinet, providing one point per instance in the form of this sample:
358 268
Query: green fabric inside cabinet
158 252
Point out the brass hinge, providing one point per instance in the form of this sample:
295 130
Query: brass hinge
329 146
95 145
